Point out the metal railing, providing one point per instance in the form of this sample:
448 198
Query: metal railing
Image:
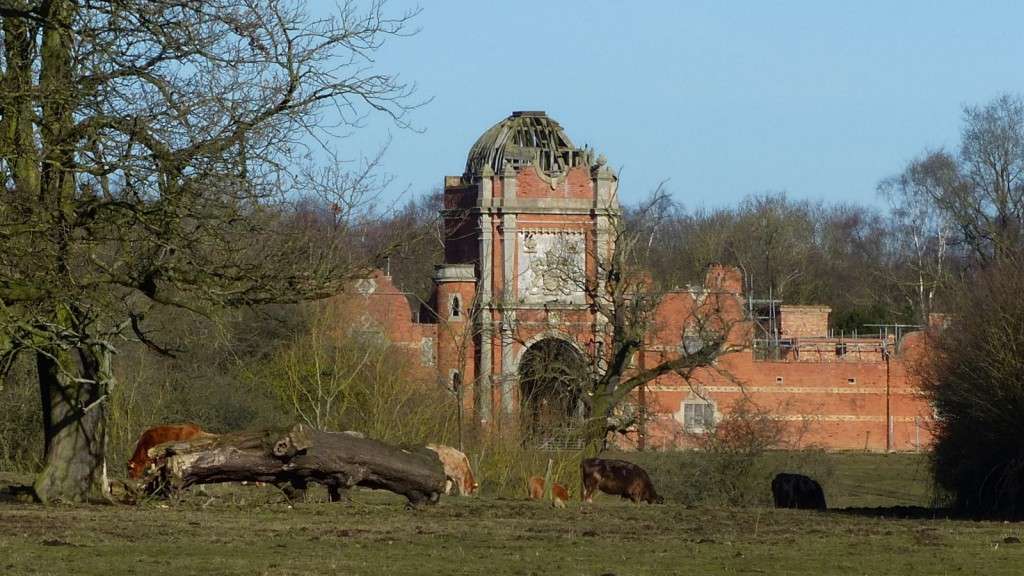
561 438
862 349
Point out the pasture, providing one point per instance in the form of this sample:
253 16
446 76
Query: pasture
249 530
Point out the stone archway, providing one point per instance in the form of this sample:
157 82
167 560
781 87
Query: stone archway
552 378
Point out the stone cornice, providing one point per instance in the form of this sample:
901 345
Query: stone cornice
454 273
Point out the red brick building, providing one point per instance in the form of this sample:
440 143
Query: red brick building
525 227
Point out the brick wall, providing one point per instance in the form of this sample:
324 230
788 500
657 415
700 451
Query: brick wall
575 184
855 401
804 321
831 406
456 344
373 306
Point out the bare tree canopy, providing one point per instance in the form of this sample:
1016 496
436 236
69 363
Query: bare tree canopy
981 189
972 202
797 251
155 152
921 234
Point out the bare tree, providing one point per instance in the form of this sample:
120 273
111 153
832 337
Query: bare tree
920 232
149 153
687 242
798 251
411 264
337 375
773 243
981 189
972 370
314 374
991 203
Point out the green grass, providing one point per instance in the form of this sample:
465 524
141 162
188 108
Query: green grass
864 480
849 479
246 530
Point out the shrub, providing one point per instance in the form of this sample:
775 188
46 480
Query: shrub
332 378
734 462
732 471
974 377
503 463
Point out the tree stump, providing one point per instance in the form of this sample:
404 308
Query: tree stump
338 460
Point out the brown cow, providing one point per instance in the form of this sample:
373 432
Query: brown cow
457 470
535 488
158 435
535 491
617 477
559 495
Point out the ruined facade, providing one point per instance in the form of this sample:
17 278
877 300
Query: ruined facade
526 226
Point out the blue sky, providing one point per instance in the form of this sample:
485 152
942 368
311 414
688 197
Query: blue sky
723 99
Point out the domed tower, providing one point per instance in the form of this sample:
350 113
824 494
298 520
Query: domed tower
530 218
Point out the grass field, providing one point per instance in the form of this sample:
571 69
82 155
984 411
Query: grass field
850 479
247 530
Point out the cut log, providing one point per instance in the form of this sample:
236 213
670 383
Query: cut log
338 460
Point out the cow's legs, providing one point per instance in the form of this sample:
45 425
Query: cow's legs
589 485
293 489
456 482
336 492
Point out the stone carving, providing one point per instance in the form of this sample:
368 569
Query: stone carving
529 242
367 322
367 329
554 319
427 351
366 286
551 266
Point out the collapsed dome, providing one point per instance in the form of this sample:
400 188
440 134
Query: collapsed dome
526 139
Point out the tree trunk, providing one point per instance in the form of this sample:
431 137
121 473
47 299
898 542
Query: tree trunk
595 430
73 392
297 456
74 426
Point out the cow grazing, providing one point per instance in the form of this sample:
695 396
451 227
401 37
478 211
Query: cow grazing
457 470
535 491
155 436
797 491
535 488
559 495
617 477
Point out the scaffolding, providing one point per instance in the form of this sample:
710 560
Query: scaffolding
767 337
769 343
896 330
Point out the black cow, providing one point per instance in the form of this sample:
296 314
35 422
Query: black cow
619 478
797 491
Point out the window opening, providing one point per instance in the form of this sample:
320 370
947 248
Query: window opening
698 416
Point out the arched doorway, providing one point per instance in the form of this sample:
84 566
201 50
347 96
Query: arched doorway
552 378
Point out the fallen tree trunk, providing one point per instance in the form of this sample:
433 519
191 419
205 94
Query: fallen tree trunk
298 456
